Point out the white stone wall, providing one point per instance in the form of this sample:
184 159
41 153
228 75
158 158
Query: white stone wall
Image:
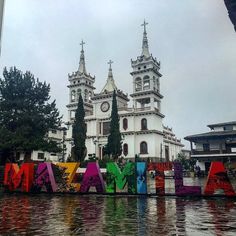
174 150
97 108
131 136
42 156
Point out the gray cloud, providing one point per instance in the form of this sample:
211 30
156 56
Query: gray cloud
194 40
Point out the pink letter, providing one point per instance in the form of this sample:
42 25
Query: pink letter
92 177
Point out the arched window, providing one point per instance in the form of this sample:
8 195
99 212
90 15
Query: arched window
72 114
85 95
154 83
125 149
146 83
125 124
78 93
73 95
144 124
138 84
90 96
143 148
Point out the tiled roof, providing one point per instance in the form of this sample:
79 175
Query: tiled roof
222 124
213 134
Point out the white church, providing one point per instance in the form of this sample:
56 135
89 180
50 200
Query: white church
141 125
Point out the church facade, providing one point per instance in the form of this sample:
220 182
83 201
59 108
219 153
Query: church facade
141 125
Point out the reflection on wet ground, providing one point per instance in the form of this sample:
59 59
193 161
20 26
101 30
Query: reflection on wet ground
115 215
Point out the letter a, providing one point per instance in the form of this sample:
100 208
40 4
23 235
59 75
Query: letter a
92 177
218 179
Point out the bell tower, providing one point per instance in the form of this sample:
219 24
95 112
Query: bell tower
146 78
80 83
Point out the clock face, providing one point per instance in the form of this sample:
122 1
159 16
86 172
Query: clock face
105 106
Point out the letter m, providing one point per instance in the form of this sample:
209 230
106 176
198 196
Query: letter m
116 177
15 177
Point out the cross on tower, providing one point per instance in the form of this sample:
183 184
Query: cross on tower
144 25
110 62
82 44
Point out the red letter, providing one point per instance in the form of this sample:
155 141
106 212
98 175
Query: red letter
15 177
159 169
218 179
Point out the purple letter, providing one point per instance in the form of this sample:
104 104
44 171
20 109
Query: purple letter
92 177
45 176
180 189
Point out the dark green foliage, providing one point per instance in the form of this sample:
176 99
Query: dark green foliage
114 147
187 163
79 132
26 114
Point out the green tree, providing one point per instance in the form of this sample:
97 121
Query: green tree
187 163
79 133
114 147
26 114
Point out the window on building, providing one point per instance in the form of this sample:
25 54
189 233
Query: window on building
100 127
85 95
138 84
233 149
40 156
90 96
143 148
125 149
228 128
106 128
125 124
146 83
54 131
72 114
78 93
144 124
206 147
72 95
167 153
154 83
158 84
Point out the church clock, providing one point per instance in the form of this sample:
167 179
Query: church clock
105 106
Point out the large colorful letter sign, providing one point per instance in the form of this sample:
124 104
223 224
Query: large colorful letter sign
180 189
159 169
141 176
218 179
70 170
15 177
117 178
45 177
92 177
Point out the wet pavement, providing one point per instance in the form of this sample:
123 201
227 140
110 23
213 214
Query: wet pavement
67 214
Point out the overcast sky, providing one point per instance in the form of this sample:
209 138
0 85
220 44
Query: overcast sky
193 39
